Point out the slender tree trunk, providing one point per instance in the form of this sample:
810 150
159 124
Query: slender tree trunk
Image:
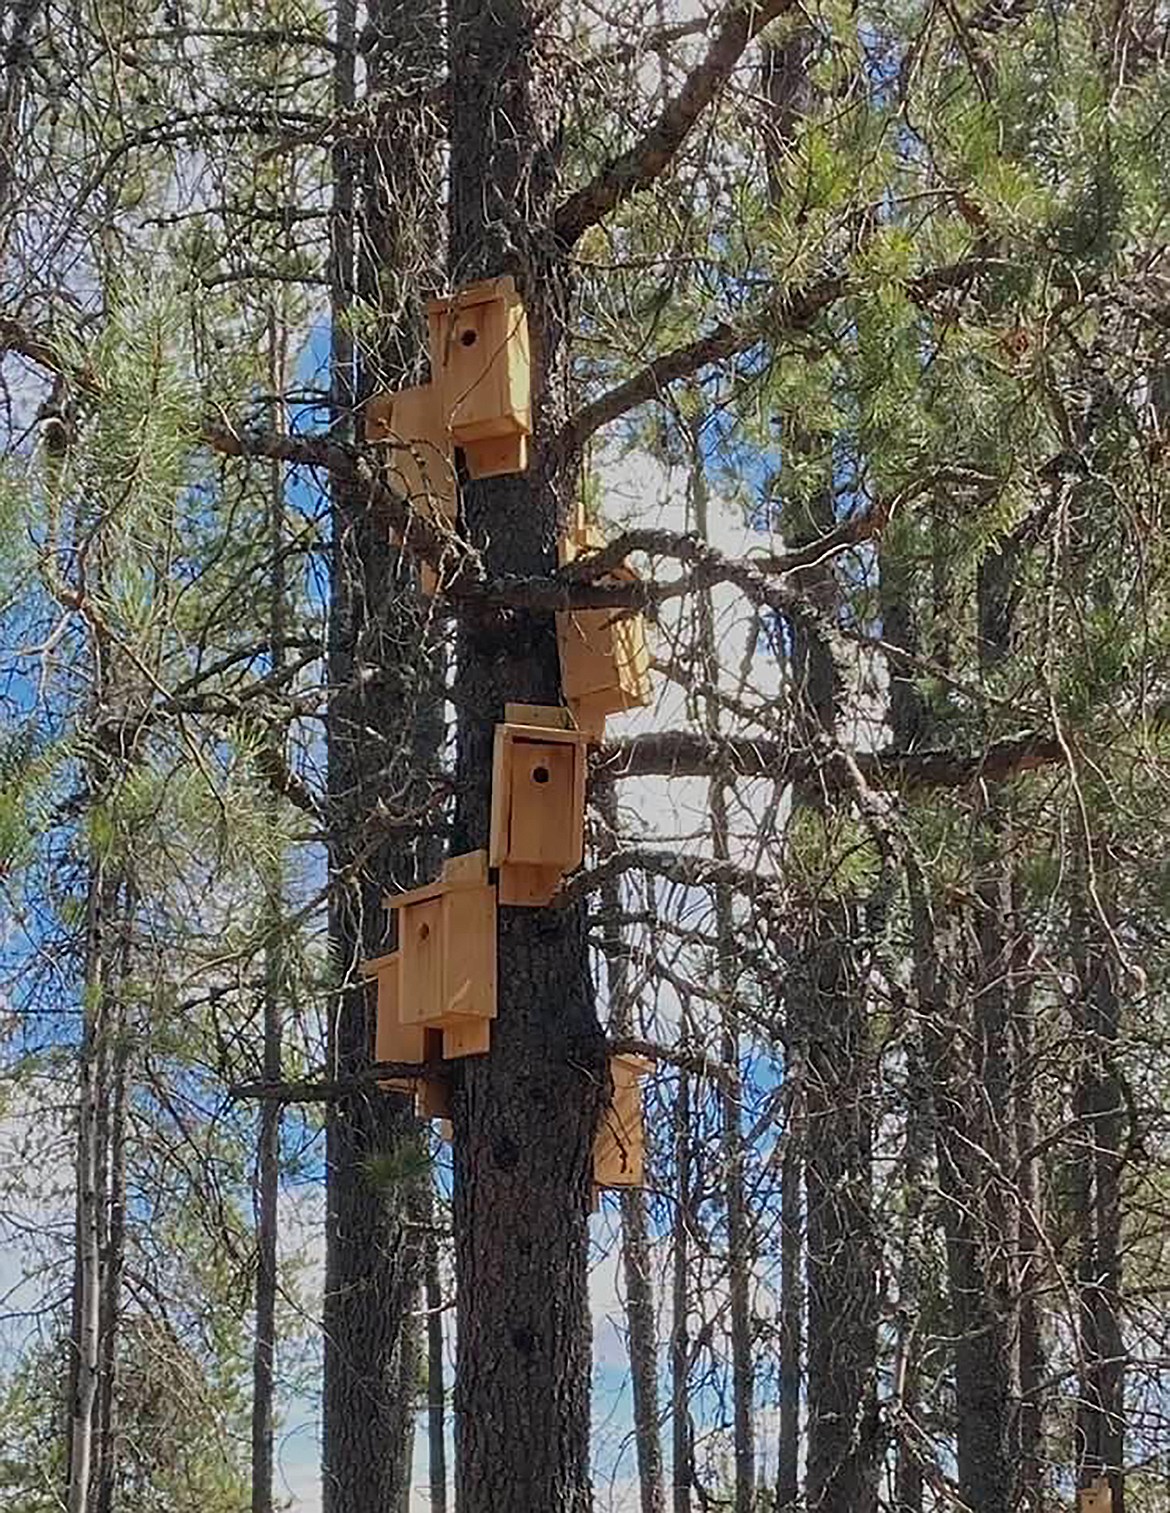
908 1476
908 723
682 1449
791 1288
268 1143
1031 1261
436 1371
114 1249
827 1013
90 1196
1100 1109
840 1247
524 1115
636 1269
739 1255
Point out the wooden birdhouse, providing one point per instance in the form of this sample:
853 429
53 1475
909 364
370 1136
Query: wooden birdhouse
447 946
538 802
419 461
480 362
619 1148
605 663
394 1041
1097 1498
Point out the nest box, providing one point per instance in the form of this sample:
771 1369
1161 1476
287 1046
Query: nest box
436 993
394 1041
447 958
480 362
419 462
1097 1498
538 802
605 663
619 1148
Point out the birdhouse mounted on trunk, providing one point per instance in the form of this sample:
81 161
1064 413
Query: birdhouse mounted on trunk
419 462
394 1041
619 1147
440 993
447 941
480 363
1097 1498
605 663
538 802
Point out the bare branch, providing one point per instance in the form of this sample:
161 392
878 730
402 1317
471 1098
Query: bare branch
790 312
640 165
684 753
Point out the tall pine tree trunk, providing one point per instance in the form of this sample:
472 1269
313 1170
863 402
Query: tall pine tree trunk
268 1141
114 1246
436 1370
827 1014
384 242
524 1115
1100 1110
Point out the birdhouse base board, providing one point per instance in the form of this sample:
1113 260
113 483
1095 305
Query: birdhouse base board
466 1037
496 455
527 887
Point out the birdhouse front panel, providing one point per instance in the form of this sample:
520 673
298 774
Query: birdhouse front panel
543 780
469 932
480 357
605 662
604 658
420 933
447 932
538 803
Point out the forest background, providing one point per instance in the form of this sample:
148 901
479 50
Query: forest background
850 325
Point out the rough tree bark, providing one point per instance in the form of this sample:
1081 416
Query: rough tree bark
92 1195
267 1181
385 723
524 1115
682 1448
1099 1106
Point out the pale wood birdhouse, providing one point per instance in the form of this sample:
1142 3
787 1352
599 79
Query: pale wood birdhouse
619 1148
420 462
480 362
394 1041
538 802
1097 1498
447 951
605 662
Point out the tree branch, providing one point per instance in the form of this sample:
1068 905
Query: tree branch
684 753
790 312
640 165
